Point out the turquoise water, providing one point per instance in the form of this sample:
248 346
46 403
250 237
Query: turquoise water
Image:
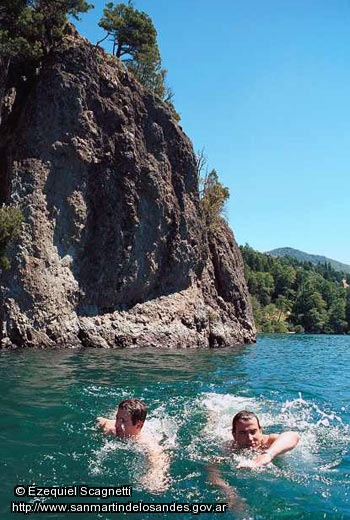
49 401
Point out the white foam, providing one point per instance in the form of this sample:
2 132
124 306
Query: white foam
323 435
159 424
317 426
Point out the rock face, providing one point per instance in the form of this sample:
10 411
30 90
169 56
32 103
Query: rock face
112 252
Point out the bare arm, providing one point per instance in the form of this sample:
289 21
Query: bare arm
157 477
107 425
284 442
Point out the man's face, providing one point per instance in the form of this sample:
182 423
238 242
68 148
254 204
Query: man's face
247 434
124 426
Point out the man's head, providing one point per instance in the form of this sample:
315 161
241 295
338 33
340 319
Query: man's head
246 430
130 417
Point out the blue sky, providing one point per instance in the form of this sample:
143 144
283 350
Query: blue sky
263 87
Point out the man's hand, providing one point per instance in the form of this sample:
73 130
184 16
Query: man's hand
260 460
284 442
100 421
107 425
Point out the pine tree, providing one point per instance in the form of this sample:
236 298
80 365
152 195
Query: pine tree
131 31
31 28
134 40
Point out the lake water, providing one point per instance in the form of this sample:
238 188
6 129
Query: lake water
50 399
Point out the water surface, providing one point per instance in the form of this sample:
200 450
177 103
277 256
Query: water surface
50 399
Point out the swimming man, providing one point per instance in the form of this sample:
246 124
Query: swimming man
128 424
247 433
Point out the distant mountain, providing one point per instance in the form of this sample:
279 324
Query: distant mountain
306 257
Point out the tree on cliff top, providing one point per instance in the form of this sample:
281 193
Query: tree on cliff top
130 30
29 31
134 40
31 28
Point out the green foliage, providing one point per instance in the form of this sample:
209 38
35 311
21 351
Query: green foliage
262 284
301 256
347 307
337 321
268 319
134 37
147 68
213 197
14 24
309 309
30 29
131 31
10 225
284 278
289 295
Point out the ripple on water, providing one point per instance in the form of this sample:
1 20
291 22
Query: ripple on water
50 403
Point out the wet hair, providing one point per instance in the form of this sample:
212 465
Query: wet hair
136 408
244 415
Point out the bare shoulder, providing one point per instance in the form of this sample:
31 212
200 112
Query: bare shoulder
270 439
288 439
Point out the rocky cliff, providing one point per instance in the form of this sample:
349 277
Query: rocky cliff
112 251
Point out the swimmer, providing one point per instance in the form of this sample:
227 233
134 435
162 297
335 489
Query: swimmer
128 424
247 433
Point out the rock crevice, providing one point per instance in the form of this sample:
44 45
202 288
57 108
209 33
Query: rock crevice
112 251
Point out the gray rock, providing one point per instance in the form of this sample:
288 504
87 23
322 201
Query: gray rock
113 252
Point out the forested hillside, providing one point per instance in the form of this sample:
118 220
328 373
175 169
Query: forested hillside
292 296
307 257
